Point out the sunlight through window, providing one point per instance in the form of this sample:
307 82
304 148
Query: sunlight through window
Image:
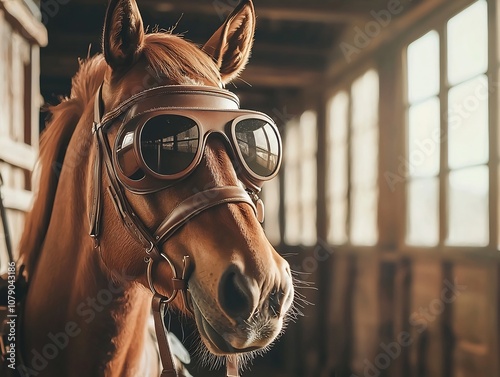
271 198
454 151
337 168
364 160
301 180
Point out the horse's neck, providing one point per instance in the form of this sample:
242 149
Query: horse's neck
77 321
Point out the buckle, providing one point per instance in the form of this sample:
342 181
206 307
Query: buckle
95 127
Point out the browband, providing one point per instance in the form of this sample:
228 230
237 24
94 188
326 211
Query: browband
168 96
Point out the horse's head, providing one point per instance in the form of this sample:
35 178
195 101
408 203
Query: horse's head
179 149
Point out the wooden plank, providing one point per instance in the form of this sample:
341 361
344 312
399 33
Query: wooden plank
366 313
272 10
421 11
21 17
391 207
5 62
17 154
36 97
17 88
426 349
474 317
254 74
338 324
17 199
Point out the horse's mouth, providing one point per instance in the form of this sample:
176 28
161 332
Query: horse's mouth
217 344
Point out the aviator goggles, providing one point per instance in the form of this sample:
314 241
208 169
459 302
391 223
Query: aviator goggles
164 132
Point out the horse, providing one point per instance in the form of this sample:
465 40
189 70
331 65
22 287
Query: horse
172 208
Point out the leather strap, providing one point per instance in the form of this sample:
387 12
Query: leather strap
161 334
232 366
178 96
95 212
130 220
198 203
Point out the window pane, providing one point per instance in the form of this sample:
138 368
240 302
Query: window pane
308 133
337 164
423 67
364 217
468 123
292 142
423 212
337 173
468 43
365 158
365 100
308 181
337 221
271 199
292 184
308 146
468 207
309 226
424 138
338 109
292 206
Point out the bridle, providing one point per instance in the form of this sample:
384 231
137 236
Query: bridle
152 240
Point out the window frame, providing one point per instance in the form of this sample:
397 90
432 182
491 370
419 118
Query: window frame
439 24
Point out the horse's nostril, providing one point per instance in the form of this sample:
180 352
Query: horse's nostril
235 295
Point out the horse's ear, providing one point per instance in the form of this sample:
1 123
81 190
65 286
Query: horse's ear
123 34
231 44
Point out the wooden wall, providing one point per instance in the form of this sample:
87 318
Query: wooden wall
391 310
414 316
21 35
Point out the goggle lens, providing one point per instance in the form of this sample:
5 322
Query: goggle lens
259 146
169 143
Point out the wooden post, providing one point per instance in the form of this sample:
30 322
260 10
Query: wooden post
22 35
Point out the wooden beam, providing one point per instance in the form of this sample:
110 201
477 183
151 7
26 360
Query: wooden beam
17 154
421 11
17 199
278 77
29 26
255 74
78 45
272 9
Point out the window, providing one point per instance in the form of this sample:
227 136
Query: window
301 180
423 145
352 190
338 180
447 133
271 199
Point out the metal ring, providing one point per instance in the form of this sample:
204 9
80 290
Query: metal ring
149 275
150 248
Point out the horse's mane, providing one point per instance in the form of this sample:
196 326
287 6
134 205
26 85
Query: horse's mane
167 55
